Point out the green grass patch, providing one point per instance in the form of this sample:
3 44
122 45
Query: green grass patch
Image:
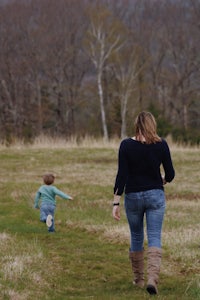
87 257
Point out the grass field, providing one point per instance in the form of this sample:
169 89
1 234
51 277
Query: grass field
87 257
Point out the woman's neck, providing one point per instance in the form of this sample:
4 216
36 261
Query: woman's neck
140 138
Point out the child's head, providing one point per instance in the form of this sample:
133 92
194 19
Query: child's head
48 178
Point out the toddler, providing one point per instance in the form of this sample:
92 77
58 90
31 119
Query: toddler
47 193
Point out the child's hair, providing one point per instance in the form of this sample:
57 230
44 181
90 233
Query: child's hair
48 178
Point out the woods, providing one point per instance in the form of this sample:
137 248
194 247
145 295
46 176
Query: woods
81 67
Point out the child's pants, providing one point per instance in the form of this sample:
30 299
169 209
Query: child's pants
45 210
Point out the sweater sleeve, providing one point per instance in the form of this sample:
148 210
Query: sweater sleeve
61 194
122 173
167 164
37 198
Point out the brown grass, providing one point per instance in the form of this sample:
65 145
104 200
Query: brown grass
45 142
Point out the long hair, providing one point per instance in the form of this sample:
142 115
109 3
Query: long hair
146 126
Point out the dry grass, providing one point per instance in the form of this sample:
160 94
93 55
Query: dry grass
87 172
18 262
49 142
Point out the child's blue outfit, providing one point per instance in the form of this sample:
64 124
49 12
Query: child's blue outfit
47 194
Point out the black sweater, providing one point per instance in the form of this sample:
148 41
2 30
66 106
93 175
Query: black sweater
139 166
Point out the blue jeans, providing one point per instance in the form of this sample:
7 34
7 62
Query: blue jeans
151 204
45 210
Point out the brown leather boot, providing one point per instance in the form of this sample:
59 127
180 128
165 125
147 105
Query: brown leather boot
154 255
137 263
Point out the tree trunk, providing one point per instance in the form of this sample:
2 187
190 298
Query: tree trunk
185 117
39 105
103 114
123 115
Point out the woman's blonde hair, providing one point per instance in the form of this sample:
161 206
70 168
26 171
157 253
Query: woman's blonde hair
145 126
48 178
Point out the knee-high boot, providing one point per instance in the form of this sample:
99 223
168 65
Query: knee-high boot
154 255
137 263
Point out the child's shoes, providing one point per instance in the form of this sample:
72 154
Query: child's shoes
49 221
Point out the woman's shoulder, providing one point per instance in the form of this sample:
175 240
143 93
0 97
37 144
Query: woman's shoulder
162 145
126 142
131 141
163 142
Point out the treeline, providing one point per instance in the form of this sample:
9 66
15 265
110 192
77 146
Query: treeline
86 67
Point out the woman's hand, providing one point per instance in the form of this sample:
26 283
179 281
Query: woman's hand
164 181
116 212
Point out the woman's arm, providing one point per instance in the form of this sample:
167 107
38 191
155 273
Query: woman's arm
167 164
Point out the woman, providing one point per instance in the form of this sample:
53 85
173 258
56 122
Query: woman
139 161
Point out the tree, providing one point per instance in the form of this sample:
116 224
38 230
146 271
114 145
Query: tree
103 39
183 64
127 69
66 63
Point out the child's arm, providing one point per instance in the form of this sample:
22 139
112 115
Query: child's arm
62 195
37 198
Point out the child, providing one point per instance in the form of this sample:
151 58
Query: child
47 193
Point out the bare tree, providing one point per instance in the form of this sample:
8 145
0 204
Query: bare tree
183 64
11 73
127 68
103 39
66 63
138 52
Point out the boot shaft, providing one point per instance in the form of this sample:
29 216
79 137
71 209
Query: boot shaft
154 256
137 263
